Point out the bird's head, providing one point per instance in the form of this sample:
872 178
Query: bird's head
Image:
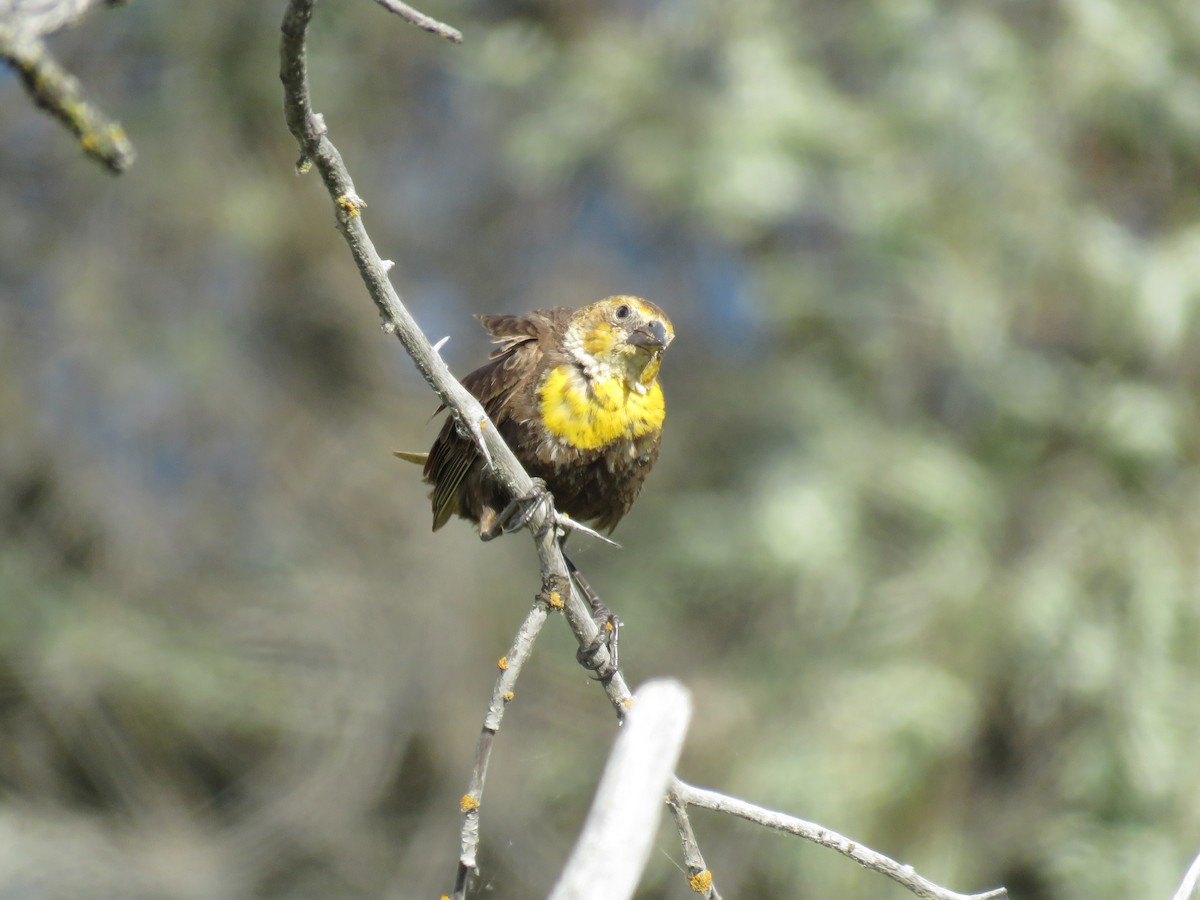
620 337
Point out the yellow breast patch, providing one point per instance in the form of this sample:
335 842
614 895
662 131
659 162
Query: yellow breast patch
590 414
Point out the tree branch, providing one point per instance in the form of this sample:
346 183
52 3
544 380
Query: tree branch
1188 886
699 875
414 17
865 856
503 693
309 129
612 849
42 17
53 88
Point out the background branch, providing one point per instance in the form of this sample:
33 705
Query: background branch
52 87
1188 886
42 17
612 849
810 831
415 17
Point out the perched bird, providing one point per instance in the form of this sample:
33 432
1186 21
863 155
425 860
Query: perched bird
575 394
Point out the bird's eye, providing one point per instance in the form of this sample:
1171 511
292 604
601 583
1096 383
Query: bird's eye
622 311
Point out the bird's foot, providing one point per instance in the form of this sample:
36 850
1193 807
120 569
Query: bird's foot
521 510
608 624
590 657
518 513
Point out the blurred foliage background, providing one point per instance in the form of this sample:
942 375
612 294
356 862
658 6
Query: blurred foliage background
923 539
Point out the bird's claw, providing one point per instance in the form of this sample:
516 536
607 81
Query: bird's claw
519 512
608 626
604 665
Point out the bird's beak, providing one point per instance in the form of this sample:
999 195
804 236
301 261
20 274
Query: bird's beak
652 335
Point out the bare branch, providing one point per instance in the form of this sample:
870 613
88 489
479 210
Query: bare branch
316 148
559 591
698 873
1188 886
310 132
503 694
412 16
53 88
41 17
865 856
614 845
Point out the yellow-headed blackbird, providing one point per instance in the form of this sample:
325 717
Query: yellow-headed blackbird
575 394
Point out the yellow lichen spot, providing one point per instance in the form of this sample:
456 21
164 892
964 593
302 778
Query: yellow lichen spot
608 626
350 206
468 803
507 696
555 600
503 663
627 703
89 143
701 881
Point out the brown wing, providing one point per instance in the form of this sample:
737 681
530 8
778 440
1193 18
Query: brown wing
523 341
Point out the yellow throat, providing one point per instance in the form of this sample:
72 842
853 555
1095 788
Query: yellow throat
590 413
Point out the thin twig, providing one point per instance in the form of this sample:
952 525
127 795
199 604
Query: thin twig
699 875
413 17
316 148
810 831
57 91
559 593
502 695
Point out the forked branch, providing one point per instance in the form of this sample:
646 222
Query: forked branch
687 795
558 589
317 149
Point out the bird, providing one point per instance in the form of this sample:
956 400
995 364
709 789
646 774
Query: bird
576 395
